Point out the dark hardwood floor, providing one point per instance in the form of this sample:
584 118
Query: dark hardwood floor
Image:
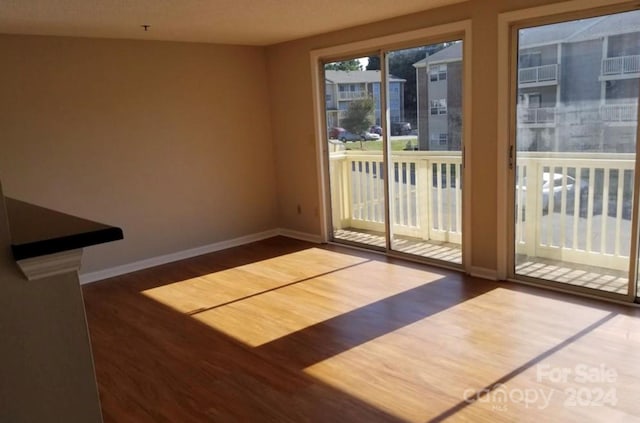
286 331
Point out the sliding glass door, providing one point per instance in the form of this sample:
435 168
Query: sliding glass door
575 152
425 150
355 144
402 117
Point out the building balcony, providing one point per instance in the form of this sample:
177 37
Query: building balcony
352 95
426 200
622 113
537 116
580 225
621 67
538 76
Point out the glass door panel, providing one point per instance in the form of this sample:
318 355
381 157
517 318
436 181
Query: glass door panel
576 125
356 163
424 104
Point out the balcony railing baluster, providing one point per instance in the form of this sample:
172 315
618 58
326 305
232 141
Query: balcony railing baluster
426 193
621 65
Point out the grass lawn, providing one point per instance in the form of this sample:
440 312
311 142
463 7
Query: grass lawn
396 145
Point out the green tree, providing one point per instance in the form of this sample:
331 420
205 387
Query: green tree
346 65
359 116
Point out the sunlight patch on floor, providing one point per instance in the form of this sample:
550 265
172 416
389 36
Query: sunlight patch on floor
202 293
266 300
467 346
275 314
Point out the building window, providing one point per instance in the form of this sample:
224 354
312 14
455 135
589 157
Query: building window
441 139
529 59
437 72
535 100
439 107
348 87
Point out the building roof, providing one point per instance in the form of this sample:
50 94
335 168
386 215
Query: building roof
450 53
573 31
581 30
354 77
620 23
553 33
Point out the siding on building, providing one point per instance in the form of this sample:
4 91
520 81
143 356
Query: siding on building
454 98
580 70
422 78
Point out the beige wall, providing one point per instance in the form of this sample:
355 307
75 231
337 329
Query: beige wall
170 141
292 113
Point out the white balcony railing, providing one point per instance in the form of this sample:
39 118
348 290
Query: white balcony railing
582 214
536 115
619 112
426 193
352 95
621 65
583 217
538 74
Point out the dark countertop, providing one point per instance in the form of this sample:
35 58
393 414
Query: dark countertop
38 231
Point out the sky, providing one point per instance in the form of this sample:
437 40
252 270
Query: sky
364 61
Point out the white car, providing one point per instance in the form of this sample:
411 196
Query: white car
547 181
370 136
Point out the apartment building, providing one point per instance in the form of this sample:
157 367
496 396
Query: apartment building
577 88
439 79
343 87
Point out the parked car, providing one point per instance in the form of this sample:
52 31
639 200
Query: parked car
400 128
370 136
349 136
334 132
546 189
376 129
557 188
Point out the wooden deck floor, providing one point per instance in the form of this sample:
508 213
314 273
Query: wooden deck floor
595 277
286 331
445 251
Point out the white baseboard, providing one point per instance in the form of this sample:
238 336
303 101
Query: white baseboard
193 252
303 236
180 255
479 272
484 273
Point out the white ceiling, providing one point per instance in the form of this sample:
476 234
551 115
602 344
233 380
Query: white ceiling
250 22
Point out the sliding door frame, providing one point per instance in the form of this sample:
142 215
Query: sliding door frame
508 26
382 45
